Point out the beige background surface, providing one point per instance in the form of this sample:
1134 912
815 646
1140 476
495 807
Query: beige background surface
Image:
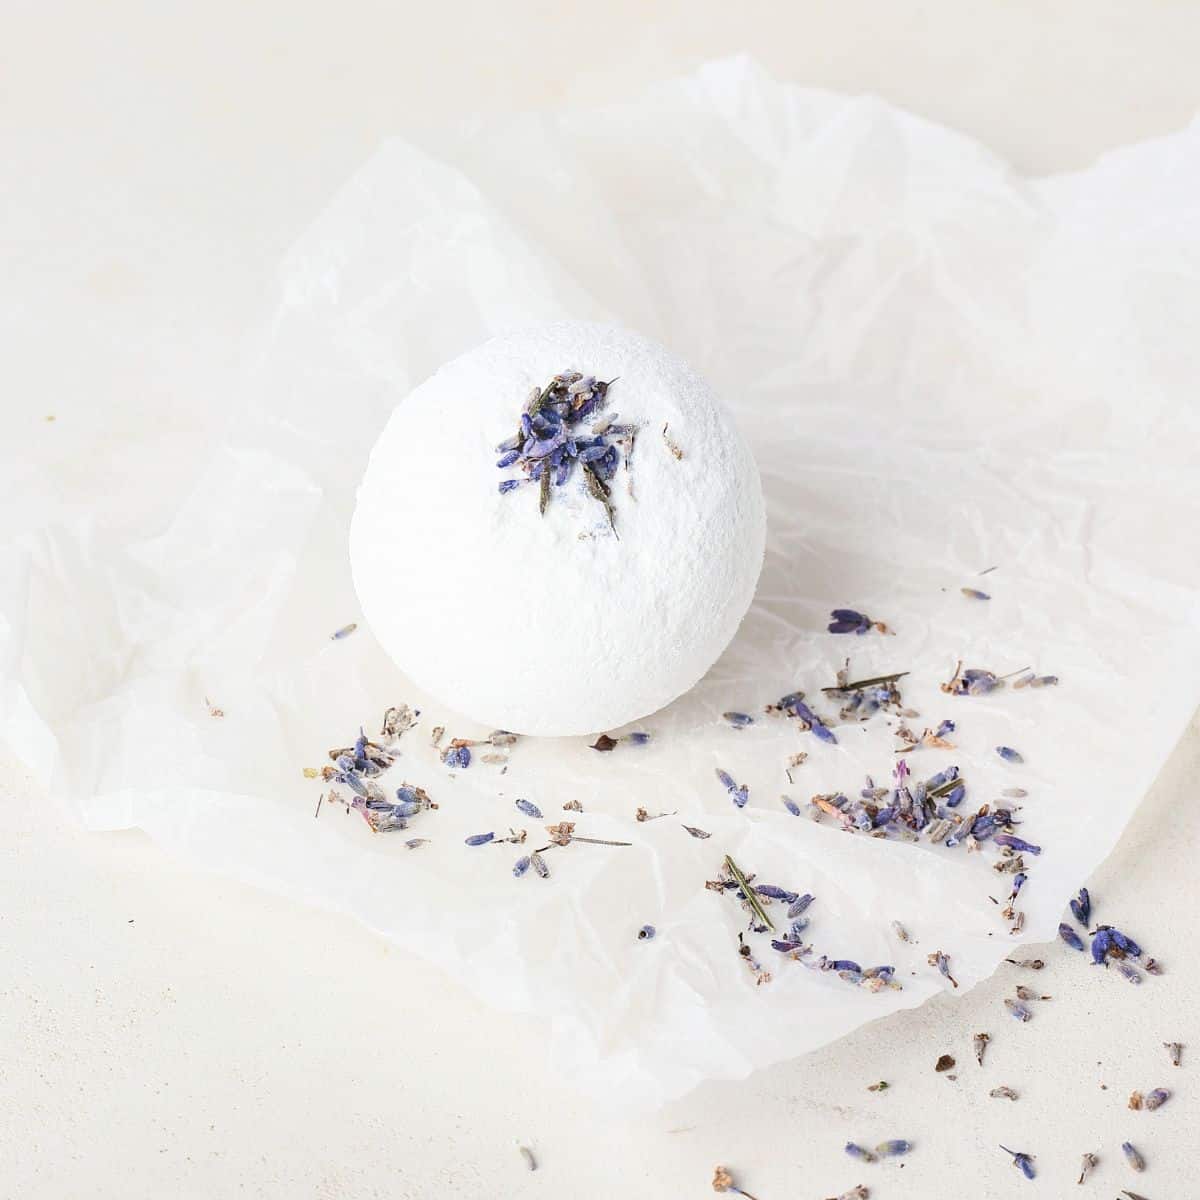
164 1033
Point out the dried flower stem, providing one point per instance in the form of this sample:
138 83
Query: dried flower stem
748 891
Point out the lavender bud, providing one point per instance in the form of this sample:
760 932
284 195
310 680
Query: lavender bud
1132 1157
480 839
1069 936
1020 1011
1157 1098
646 933
1009 754
893 1149
530 809
521 866
1019 844
1023 1162
859 1152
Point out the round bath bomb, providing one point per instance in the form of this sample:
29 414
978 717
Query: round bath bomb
559 532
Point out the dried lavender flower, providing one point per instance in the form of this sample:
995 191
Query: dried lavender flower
893 1149
859 1152
1020 1011
1009 754
942 962
539 866
646 933
344 632
1023 1162
975 594
723 1182
791 805
521 866
697 833
530 809
1132 1157
1175 1051
980 1041
1081 907
480 839
1086 1163
846 620
1127 970
739 795
1015 843
1157 1098
1068 935
457 755
1025 993
1002 1093
739 720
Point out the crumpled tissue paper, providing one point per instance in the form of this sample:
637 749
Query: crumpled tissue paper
942 368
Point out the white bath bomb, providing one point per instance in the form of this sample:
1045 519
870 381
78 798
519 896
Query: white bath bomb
558 622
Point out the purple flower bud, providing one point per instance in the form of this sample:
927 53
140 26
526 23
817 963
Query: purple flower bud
1132 1157
824 733
740 796
859 1152
1009 754
1127 970
1157 1098
1101 945
1069 936
726 780
775 893
530 809
507 460
521 866
646 933
846 620
1015 843
539 865
637 739
480 839
1081 907
1023 1162
1124 943
800 904
739 720
509 485
843 964
893 1149
790 805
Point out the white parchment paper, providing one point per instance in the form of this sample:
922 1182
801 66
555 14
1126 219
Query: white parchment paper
942 368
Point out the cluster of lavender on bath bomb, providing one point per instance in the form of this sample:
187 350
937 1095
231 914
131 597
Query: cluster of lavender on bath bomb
555 437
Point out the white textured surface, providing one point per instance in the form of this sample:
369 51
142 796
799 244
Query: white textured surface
552 625
226 1043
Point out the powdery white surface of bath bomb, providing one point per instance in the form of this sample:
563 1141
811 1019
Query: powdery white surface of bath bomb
552 625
